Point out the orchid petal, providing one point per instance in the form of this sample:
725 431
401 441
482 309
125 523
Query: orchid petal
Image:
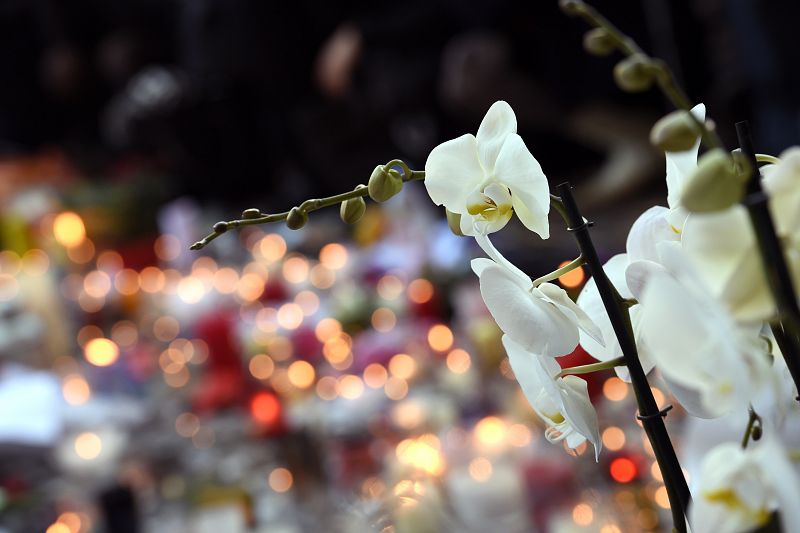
649 229
681 164
453 172
495 127
559 297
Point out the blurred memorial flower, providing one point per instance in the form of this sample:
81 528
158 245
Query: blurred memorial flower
562 402
739 489
485 178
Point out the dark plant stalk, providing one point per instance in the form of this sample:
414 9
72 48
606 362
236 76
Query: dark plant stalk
649 413
777 272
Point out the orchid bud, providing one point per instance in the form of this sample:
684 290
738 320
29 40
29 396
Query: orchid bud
296 218
220 227
599 42
352 210
676 132
384 183
454 222
571 7
634 74
251 213
715 184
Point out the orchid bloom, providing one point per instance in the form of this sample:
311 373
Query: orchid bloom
561 402
693 339
485 178
543 320
739 489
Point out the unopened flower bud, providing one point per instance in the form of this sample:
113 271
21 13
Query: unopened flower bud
570 7
715 184
599 42
296 218
634 74
251 213
220 227
352 210
757 432
454 222
384 183
676 132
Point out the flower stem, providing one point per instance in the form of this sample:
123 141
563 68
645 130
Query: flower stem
594 367
663 74
555 274
307 206
649 413
773 260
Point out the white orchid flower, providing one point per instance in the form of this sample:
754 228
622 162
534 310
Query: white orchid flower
782 183
693 339
562 403
543 319
739 489
485 178
679 166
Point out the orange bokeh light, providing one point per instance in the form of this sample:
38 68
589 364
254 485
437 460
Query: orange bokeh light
623 470
265 408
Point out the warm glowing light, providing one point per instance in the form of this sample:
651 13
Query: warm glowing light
610 528
573 278
271 248
250 287
265 408
322 277
458 361
408 414
395 388
280 348
390 287
126 281
440 338
421 453
76 390
226 280
68 229
301 374
187 425
9 287
280 480
647 518
658 396
295 269
167 247
97 284
82 253
613 438
480 469
166 328
655 471
327 328
582 514
491 432
151 279
615 389
420 291
280 381
178 376
622 469
87 333
290 316
88 446
519 435
661 497
101 351
124 333
333 256
35 262
110 261
72 521
191 290
350 387
402 366
59 527
336 349
90 304
383 319
261 366
375 376
326 388
308 302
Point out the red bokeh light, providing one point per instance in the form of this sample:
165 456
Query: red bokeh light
623 470
265 408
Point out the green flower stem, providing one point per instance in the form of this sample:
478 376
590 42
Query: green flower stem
569 267
649 413
773 260
594 367
766 158
307 206
753 421
663 74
